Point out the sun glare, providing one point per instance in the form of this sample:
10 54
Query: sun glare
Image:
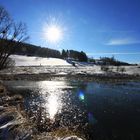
53 33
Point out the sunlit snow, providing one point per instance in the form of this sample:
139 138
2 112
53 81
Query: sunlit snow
37 61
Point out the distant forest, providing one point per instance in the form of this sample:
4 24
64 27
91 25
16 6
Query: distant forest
33 50
74 55
112 61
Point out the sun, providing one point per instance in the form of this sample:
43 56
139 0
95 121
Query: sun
53 33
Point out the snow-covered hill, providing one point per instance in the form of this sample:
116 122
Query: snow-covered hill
33 65
37 61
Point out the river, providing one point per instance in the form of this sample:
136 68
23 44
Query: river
97 110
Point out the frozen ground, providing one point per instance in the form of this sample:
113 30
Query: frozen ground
37 61
37 65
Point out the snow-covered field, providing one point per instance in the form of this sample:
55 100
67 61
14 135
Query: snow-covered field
37 61
36 65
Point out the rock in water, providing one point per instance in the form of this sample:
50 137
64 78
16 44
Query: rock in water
72 138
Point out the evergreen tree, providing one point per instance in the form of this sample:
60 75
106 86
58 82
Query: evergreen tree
64 54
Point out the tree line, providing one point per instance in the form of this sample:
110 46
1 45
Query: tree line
112 61
74 55
33 50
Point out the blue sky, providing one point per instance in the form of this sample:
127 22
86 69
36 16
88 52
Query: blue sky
98 27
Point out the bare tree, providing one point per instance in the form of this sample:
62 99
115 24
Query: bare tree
11 36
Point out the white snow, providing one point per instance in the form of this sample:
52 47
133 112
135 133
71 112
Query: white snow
21 60
36 65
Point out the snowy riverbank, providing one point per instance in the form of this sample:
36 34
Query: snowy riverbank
37 68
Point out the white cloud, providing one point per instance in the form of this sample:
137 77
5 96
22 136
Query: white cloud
124 41
115 53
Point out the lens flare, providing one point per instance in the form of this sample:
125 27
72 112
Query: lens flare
81 96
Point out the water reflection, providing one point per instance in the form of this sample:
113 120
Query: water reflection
53 105
52 94
102 111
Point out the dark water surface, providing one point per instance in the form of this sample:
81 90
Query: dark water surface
100 111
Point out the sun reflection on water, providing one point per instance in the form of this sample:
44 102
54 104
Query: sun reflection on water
52 94
53 105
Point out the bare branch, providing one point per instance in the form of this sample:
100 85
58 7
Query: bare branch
19 32
11 35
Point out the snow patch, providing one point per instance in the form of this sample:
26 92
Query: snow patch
21 60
